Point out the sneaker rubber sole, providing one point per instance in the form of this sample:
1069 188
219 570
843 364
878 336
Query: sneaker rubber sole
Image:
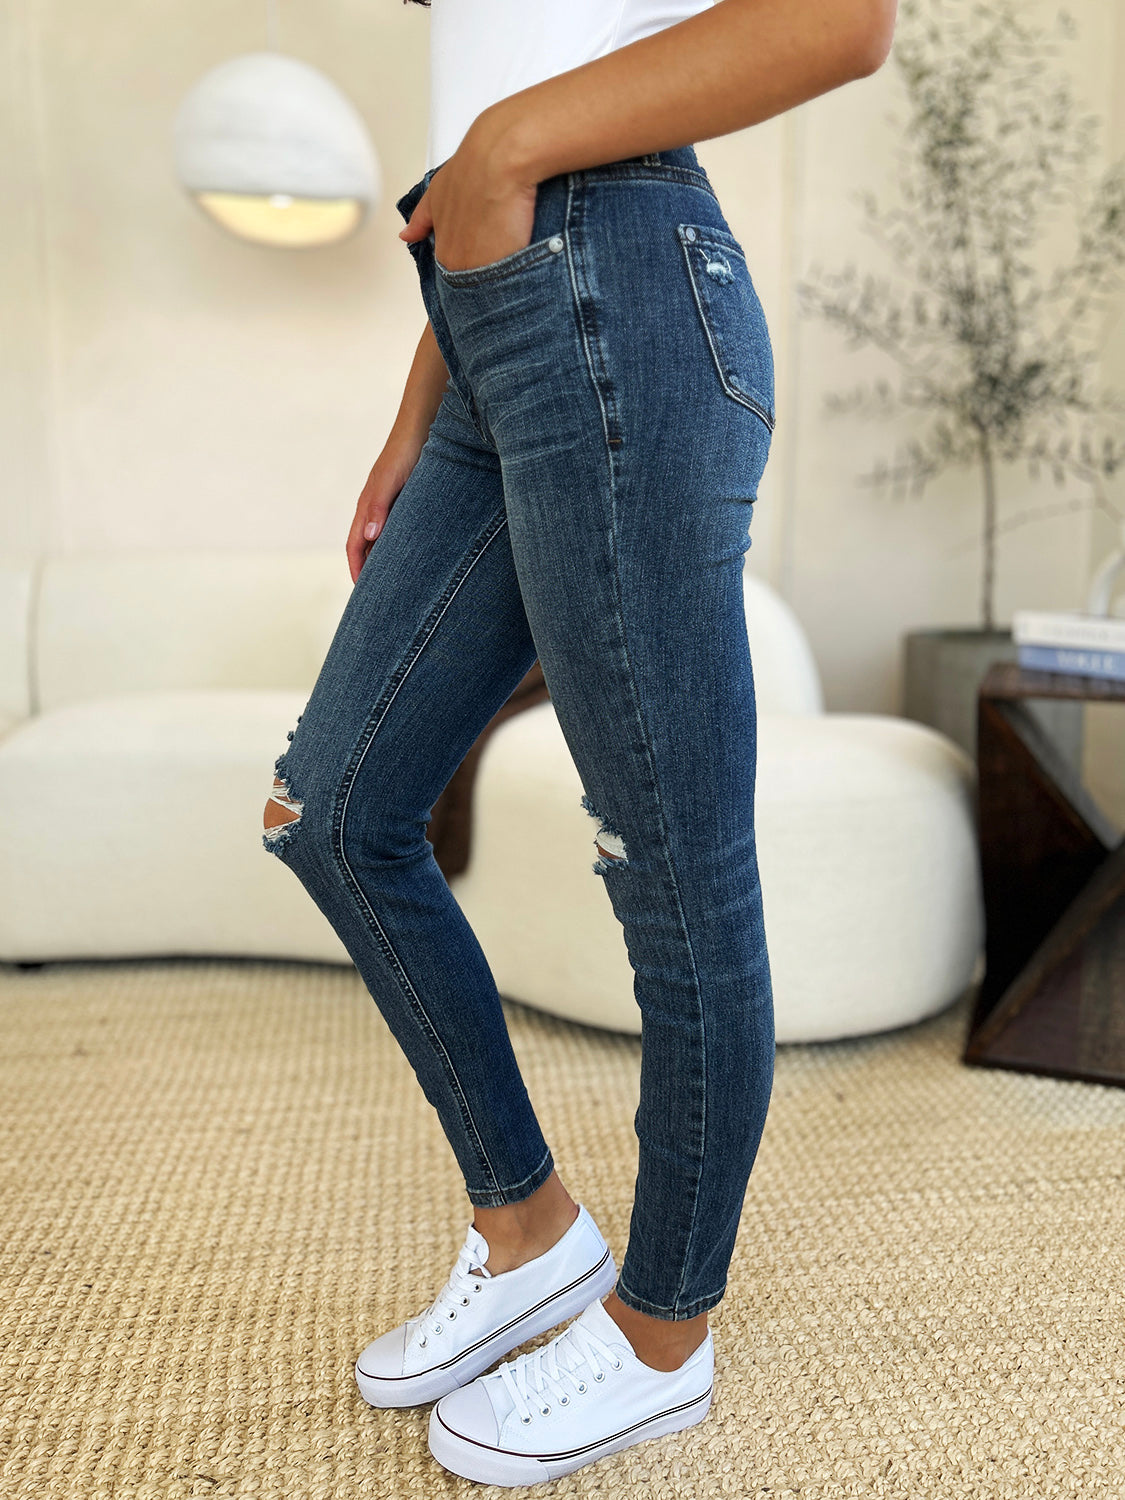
488 1465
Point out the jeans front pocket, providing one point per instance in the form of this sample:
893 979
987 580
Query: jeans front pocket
508 265
426 262
732 315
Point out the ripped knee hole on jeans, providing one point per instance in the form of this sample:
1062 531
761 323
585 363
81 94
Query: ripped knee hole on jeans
283 811
607 841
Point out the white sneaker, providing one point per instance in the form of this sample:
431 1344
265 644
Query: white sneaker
477 1319
580 1396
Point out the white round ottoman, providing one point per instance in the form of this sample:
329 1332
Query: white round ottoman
868 859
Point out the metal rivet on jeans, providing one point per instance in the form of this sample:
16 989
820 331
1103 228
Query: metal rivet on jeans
689 234
555 242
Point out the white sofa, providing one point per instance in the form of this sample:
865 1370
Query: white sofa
144 698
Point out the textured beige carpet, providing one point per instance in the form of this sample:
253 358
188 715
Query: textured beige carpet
220 1180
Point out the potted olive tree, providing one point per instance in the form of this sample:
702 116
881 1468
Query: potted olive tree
996 357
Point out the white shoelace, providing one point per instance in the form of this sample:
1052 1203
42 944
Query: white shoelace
456 1292
575 1355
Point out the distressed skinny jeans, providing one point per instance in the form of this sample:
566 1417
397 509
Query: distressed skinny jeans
584 496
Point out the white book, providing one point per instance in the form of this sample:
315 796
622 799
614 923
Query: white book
1042 627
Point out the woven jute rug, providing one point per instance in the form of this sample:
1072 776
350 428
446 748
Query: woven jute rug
220 1180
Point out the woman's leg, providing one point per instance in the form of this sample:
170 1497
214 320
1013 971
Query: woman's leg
622 368
432 642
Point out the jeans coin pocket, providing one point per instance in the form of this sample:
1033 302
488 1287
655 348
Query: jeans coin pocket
546 248
732 315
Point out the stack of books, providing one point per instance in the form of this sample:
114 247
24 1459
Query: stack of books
1065 641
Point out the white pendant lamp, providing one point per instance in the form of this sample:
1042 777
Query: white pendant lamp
272 150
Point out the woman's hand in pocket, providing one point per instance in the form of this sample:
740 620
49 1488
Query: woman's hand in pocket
478 212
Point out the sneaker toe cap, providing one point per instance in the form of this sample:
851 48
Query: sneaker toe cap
468 1412
385 1356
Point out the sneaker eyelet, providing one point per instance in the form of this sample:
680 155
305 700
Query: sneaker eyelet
422 1343
464 1301
438 1329
526 1420
452 1313
583 1388
600 1375
544 1411
564 1400
617 1364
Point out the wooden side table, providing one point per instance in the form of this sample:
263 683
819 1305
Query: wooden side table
1053 997
451 817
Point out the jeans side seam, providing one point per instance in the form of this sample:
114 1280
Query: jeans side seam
646 740
367 739
671 858
587 321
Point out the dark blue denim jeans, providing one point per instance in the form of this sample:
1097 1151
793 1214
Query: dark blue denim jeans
584 496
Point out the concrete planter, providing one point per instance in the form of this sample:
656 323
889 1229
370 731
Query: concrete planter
944 669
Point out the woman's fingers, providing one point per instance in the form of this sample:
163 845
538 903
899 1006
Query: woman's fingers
363 535
420 222
387 477
357 550
370 515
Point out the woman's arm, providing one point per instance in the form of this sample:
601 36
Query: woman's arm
734 65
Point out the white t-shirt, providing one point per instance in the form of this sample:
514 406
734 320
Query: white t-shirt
484 50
